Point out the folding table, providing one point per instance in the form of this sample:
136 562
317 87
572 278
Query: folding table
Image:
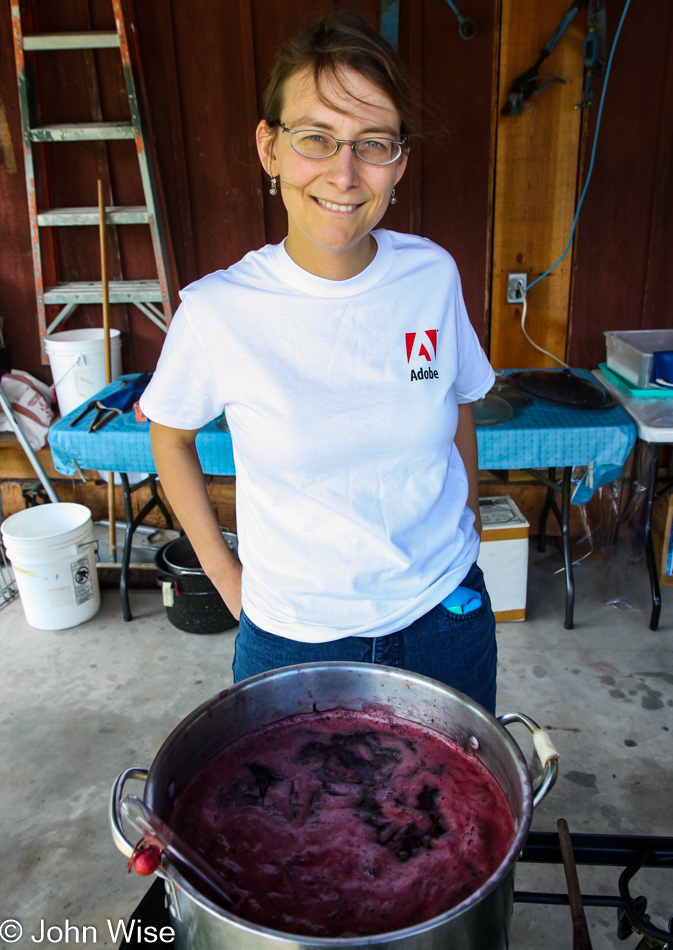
543 435
653 419
546 435
123 446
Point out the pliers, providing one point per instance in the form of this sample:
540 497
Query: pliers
100 419
115 403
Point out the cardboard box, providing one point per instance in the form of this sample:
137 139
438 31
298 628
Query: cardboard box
503 556
662 536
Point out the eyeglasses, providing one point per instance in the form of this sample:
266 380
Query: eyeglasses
312 143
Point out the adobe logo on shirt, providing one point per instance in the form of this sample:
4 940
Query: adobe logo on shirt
422 346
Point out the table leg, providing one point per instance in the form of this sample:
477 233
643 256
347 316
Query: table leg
655 452
567 558
644 479
154 501
128 543
542 536
654 582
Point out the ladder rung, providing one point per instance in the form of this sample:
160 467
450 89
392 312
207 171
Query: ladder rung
82 131
96 39
68 217
120 291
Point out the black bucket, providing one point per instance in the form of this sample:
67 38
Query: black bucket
191 600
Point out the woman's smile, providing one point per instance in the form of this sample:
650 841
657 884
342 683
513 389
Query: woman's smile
332 206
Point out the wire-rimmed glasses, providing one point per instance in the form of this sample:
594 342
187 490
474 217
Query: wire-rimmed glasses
314 143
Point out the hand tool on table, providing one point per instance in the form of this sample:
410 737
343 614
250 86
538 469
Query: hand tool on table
467 28
159 835
115 403
581 938
103 415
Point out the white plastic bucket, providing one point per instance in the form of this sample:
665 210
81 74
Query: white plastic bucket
51 548
77 360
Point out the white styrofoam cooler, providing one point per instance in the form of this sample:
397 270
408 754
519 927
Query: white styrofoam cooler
503 556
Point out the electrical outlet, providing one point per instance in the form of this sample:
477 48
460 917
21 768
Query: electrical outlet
513 291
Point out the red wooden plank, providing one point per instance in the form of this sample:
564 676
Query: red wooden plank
457 93
495 105
658 302
626 216
407 214
118 312
158 50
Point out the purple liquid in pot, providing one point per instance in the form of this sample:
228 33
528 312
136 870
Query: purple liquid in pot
346 824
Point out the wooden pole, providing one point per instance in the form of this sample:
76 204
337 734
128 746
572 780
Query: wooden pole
102 229
581 938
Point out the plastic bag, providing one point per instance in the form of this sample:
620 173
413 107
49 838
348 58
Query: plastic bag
31 404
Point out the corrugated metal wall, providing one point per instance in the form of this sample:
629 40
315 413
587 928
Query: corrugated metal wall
206 63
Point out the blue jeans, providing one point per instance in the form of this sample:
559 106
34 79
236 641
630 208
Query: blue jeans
455 649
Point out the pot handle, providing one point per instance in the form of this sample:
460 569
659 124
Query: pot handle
120 839
544 747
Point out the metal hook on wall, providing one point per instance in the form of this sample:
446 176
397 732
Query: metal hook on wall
467 28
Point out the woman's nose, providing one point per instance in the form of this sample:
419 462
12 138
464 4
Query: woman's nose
344 168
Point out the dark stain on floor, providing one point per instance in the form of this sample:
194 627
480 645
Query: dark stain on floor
585 779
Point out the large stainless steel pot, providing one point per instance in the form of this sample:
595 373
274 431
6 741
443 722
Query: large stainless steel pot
480 922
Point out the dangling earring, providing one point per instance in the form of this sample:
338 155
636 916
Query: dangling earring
393 199
273 190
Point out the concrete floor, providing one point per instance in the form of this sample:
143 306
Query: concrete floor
79 705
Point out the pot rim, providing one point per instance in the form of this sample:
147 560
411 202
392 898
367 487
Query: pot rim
523 820
176 570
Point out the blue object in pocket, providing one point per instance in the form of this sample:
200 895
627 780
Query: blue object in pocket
462 600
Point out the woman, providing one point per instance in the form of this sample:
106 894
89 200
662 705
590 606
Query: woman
347 364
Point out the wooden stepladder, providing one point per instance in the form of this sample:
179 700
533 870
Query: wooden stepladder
153 297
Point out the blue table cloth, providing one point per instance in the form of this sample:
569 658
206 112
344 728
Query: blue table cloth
123 445
545 434
541 435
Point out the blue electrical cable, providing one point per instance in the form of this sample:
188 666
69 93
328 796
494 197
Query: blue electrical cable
593 150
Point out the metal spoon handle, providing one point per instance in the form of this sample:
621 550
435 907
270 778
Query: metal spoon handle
147 823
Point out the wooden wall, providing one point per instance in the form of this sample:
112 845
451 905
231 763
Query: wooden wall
497 191
536 160
624 253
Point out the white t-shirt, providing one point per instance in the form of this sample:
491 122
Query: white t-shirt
342 399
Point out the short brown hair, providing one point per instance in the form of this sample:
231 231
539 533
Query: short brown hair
342 39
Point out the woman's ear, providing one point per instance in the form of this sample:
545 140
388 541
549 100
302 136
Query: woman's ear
265 136
402 164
